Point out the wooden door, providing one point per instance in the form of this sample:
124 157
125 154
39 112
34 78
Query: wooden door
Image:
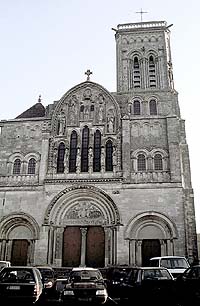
150 248
19 252
71 246
95 250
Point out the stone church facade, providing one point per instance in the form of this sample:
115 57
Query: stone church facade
100 178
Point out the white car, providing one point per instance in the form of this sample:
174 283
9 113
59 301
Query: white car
175 264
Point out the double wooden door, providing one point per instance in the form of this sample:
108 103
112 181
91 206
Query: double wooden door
94 250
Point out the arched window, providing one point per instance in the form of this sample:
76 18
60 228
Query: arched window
136 107
136 73
153 107
82 108
141 162
17 166
31 166
73 152
61 156
109 153
158 162
84 150
97 152
152 72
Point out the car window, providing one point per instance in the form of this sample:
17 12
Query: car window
118 273
174 263
85 275
156 274
16 276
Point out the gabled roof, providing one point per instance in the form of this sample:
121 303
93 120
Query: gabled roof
37 110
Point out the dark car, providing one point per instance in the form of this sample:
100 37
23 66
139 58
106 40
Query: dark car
20 285
85 286
48 275
149 285
115 276
188 286
52 296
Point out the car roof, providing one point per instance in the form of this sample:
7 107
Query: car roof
20 267
84 268
167 257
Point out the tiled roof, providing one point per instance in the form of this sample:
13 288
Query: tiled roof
37 110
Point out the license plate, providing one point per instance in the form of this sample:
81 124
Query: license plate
13 287
85 299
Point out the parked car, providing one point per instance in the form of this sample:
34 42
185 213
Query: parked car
115 276
52 296
149 286
48 275
175 264
85 285
20 284
188 286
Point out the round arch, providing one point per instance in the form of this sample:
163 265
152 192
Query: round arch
82 205
11 222
160 221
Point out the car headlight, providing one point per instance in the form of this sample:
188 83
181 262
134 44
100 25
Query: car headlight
69 292
101 292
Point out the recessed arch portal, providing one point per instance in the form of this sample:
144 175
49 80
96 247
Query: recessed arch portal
150 234
94 214
18 233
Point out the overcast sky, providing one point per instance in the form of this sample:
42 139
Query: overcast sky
47 45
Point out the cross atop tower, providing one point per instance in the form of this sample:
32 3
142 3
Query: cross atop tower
88 72
141 12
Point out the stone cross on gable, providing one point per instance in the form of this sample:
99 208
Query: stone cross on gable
88 73
141 12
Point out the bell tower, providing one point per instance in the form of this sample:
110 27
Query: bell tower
143 57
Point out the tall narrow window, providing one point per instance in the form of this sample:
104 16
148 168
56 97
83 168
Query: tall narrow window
136 107
31 166
141 162
61 156
84 150
17 166
153 107
109 158
136 73
97 152
158 162
152 72
73 152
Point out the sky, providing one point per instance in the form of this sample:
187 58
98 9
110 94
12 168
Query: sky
47 45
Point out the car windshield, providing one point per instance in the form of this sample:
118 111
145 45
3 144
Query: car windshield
85 275
118 273
174 263
156 274
16 276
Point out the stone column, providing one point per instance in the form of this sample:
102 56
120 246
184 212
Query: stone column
58 247
3 247
139 253
107 238
132 252
8 249
83 245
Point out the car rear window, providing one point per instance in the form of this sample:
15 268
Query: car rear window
16 276
156 274
85 275
174 263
